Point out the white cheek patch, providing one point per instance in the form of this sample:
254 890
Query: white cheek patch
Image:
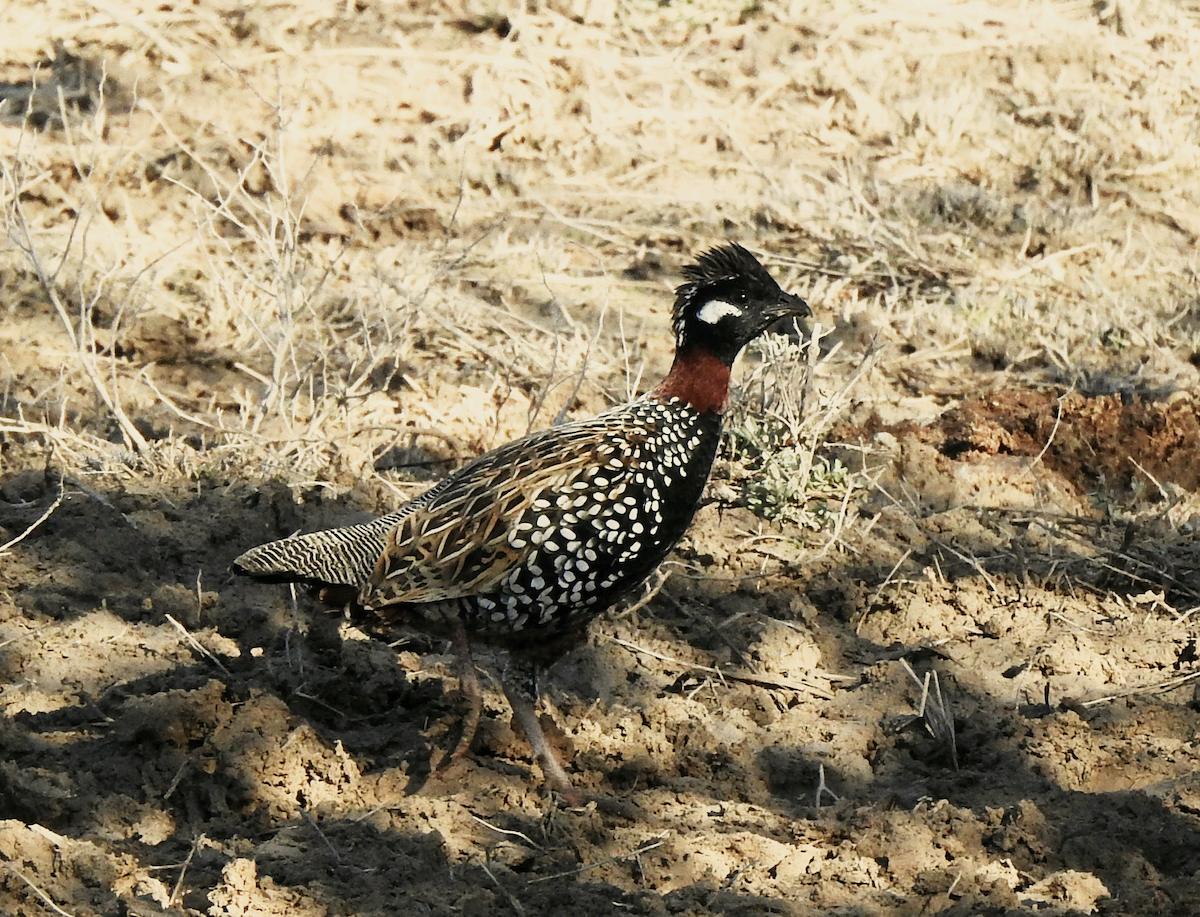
715 310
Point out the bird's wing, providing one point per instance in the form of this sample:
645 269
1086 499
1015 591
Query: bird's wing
478 527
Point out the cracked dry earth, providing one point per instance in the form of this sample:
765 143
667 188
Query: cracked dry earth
180 741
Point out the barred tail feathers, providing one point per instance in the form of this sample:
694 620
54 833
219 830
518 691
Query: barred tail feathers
336 557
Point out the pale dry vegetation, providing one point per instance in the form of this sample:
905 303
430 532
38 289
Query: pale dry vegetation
268 264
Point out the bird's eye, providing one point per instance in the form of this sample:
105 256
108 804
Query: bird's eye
740 297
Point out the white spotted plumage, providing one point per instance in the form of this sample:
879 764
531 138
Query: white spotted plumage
590 533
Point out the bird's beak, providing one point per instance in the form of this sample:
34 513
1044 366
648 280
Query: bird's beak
790 306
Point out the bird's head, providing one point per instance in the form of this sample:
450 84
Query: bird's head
729 299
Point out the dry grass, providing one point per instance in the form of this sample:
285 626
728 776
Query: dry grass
346 245
310 215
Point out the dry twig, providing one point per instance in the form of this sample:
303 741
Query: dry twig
726 675
33 526
934 710
644 848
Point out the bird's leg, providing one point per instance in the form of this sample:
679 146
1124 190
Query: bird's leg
468 680
520 687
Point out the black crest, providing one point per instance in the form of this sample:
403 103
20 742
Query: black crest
727 262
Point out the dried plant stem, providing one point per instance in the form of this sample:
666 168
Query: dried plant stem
37 891
934 710
638 851
87 359
198 647
725 674
40 519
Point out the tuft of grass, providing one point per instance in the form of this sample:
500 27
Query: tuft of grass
793 487
776 430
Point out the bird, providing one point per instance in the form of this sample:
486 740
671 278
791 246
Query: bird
524 546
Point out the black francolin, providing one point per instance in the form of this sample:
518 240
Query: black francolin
525 545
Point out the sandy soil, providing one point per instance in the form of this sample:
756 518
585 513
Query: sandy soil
299 262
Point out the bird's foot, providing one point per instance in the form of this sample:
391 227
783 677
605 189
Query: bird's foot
521 694
468 680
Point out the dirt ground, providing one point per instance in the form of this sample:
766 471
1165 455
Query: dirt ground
271 267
